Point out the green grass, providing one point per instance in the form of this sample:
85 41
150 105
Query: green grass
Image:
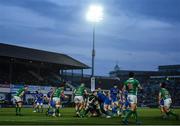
147 116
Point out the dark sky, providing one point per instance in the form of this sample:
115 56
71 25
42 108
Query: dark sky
136 34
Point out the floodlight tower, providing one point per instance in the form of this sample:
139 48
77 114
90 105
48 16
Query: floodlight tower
94 15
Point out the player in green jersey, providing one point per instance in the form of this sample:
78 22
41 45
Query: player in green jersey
19 99
57 95
78 99
131 86
166 97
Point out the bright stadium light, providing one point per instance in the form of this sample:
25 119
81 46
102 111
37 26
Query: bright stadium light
95 15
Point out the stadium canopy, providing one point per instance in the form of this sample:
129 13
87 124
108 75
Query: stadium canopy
25 53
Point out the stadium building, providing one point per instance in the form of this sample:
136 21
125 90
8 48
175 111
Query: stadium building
37 68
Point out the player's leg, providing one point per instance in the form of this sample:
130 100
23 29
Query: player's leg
19 107
167 104
55 106
58 109
106 109
76 101
34 106
49 106
86 110
102 108
16 99
97 109
114 108
114 105
124 110
133 107
120 108
81 104
41 107
38 106
163 114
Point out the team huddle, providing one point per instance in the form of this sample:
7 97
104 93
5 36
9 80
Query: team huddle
98 103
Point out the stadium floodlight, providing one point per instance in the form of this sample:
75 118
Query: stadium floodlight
95 15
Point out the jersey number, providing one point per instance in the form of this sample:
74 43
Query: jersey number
130 86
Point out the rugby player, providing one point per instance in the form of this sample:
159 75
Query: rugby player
39 101
57 94
101 98
78 99
165 95
108 105
50 101
114 97
131 86
19 99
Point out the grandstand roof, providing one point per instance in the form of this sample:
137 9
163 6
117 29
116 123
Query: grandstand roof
40 55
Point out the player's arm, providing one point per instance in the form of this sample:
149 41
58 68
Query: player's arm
159 97
53 92
22 93
63 95
139 85
74 91
119 93
85 92
124 87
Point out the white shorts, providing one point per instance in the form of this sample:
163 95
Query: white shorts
56 99
132 99
167 102
39 103
17 99
78 99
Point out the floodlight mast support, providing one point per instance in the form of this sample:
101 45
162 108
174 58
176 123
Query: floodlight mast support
93 49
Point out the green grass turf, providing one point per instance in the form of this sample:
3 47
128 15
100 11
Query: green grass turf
147 116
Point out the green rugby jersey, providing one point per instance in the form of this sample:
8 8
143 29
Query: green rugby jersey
58 92
20 92
132 86
79 91
164 93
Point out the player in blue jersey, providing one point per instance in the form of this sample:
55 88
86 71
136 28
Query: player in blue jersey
101 98
108 105
39 101
125 103
50 102
114 92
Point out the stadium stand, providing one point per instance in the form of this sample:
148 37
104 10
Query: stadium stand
26 65
150 81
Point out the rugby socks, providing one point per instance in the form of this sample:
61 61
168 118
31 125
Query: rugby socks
171 113
125 111
16 110
19 110
98 112
128 115
108 113
136 116
85 112
41 109
57 111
